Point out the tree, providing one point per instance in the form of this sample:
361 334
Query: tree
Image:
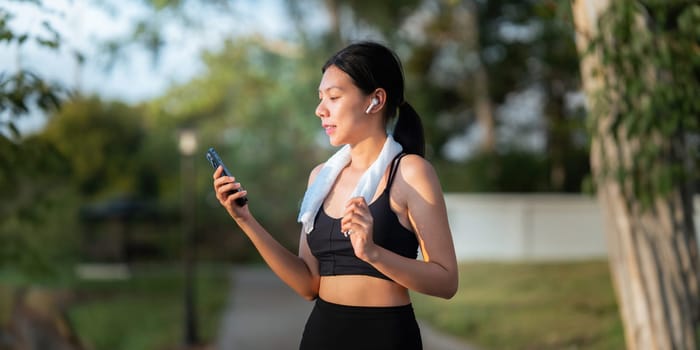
36 199
102 141
641 73
35 211
254 104
24 89
461 68
471 58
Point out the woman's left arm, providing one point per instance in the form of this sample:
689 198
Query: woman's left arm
436 274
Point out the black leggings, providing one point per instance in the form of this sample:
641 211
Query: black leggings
336 327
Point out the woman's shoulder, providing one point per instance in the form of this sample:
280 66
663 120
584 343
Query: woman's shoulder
413 166
416 180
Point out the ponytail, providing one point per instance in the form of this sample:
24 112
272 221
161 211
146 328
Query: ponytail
408 130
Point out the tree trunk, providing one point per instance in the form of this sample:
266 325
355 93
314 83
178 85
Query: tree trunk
467 16
484 110
334 15
653 252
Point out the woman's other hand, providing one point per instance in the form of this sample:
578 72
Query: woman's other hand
358 225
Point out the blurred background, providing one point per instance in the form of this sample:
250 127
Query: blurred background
111 237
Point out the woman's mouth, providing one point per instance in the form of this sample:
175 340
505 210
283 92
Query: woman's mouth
329 128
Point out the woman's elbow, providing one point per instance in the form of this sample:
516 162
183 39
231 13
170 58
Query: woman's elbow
310 296
310 293
450 288
451 292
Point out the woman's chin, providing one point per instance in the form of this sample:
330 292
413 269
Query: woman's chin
335 142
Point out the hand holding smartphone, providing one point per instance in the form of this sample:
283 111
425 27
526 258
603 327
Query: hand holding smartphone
215 161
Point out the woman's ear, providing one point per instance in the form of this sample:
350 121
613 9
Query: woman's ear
377 102
374 103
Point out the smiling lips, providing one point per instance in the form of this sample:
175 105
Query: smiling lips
329 128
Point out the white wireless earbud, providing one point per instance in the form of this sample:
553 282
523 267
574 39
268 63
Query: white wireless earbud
375 101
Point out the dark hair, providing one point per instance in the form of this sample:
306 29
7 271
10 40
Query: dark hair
372 66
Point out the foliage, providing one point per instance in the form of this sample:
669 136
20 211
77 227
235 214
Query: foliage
440 67
24 90
514 171
38 226
89 151
522 46
37 199
255 106
652 48
494 173
20 91
101 141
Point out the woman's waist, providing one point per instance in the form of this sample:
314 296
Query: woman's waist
361 290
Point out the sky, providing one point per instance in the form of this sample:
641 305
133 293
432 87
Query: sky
135 78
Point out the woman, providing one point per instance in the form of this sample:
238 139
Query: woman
365 214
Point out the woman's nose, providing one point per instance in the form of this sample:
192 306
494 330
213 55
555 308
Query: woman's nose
321 111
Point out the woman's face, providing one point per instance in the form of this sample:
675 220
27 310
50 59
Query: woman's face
342 108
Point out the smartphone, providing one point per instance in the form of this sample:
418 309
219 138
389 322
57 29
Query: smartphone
215 161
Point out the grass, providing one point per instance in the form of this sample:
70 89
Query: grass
499 306
5 305
144 312
530 306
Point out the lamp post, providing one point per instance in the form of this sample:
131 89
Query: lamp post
188 146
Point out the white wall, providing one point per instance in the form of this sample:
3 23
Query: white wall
528 226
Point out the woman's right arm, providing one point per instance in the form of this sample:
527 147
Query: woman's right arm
299 272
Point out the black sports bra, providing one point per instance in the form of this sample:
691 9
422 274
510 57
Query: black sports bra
334 251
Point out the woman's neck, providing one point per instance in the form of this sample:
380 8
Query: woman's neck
364 153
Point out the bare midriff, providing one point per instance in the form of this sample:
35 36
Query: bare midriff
360 290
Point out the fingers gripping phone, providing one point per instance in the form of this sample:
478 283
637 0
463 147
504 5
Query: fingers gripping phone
215 161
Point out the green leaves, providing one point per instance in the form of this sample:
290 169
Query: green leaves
25 89
101 141
20 90
650 52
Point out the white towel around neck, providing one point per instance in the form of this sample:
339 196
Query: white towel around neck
366 186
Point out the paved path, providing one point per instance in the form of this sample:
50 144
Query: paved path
265 314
